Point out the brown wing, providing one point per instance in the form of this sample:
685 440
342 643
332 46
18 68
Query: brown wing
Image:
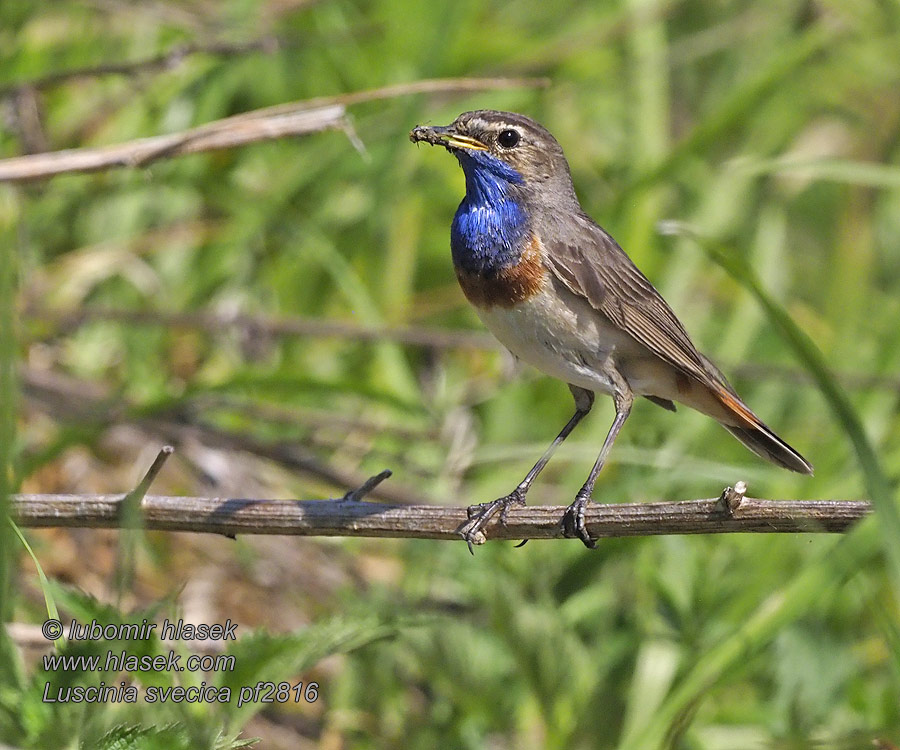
591 264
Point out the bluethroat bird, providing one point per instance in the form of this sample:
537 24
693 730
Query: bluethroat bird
560 294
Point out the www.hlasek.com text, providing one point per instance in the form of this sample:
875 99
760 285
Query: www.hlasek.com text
122 661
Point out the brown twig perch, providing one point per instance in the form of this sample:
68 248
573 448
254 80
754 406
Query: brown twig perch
292 119
351 517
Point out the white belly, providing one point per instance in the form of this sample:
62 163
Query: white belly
567 340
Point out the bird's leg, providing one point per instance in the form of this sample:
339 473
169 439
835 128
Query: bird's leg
480 514
573 520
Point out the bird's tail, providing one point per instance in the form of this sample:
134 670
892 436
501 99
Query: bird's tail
753 433
765 443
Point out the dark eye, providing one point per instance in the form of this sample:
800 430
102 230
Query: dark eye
508 138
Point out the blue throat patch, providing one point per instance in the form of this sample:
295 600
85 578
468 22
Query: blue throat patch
489 227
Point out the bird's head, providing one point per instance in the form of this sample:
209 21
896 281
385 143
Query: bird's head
498 150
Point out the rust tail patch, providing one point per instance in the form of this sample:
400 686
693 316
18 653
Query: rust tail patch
736 407
759 438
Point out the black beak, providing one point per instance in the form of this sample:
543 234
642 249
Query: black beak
445 136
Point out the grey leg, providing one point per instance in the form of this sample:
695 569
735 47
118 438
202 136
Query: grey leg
573 521
480 514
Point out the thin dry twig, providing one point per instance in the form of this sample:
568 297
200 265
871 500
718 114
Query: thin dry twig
349 517
144 485
217 135
292 119
370 484
427 86
166 61
732 497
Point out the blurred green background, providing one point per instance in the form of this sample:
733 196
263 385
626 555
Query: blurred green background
773 128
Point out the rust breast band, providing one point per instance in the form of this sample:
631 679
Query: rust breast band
510 285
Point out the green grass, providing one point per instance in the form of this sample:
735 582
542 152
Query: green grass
771 129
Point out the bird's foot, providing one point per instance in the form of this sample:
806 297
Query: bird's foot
479 515
573 520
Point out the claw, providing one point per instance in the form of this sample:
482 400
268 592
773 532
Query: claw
573 522
479 515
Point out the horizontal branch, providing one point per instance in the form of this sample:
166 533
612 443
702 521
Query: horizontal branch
217 135
292 119
350 517
165 61
265 325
